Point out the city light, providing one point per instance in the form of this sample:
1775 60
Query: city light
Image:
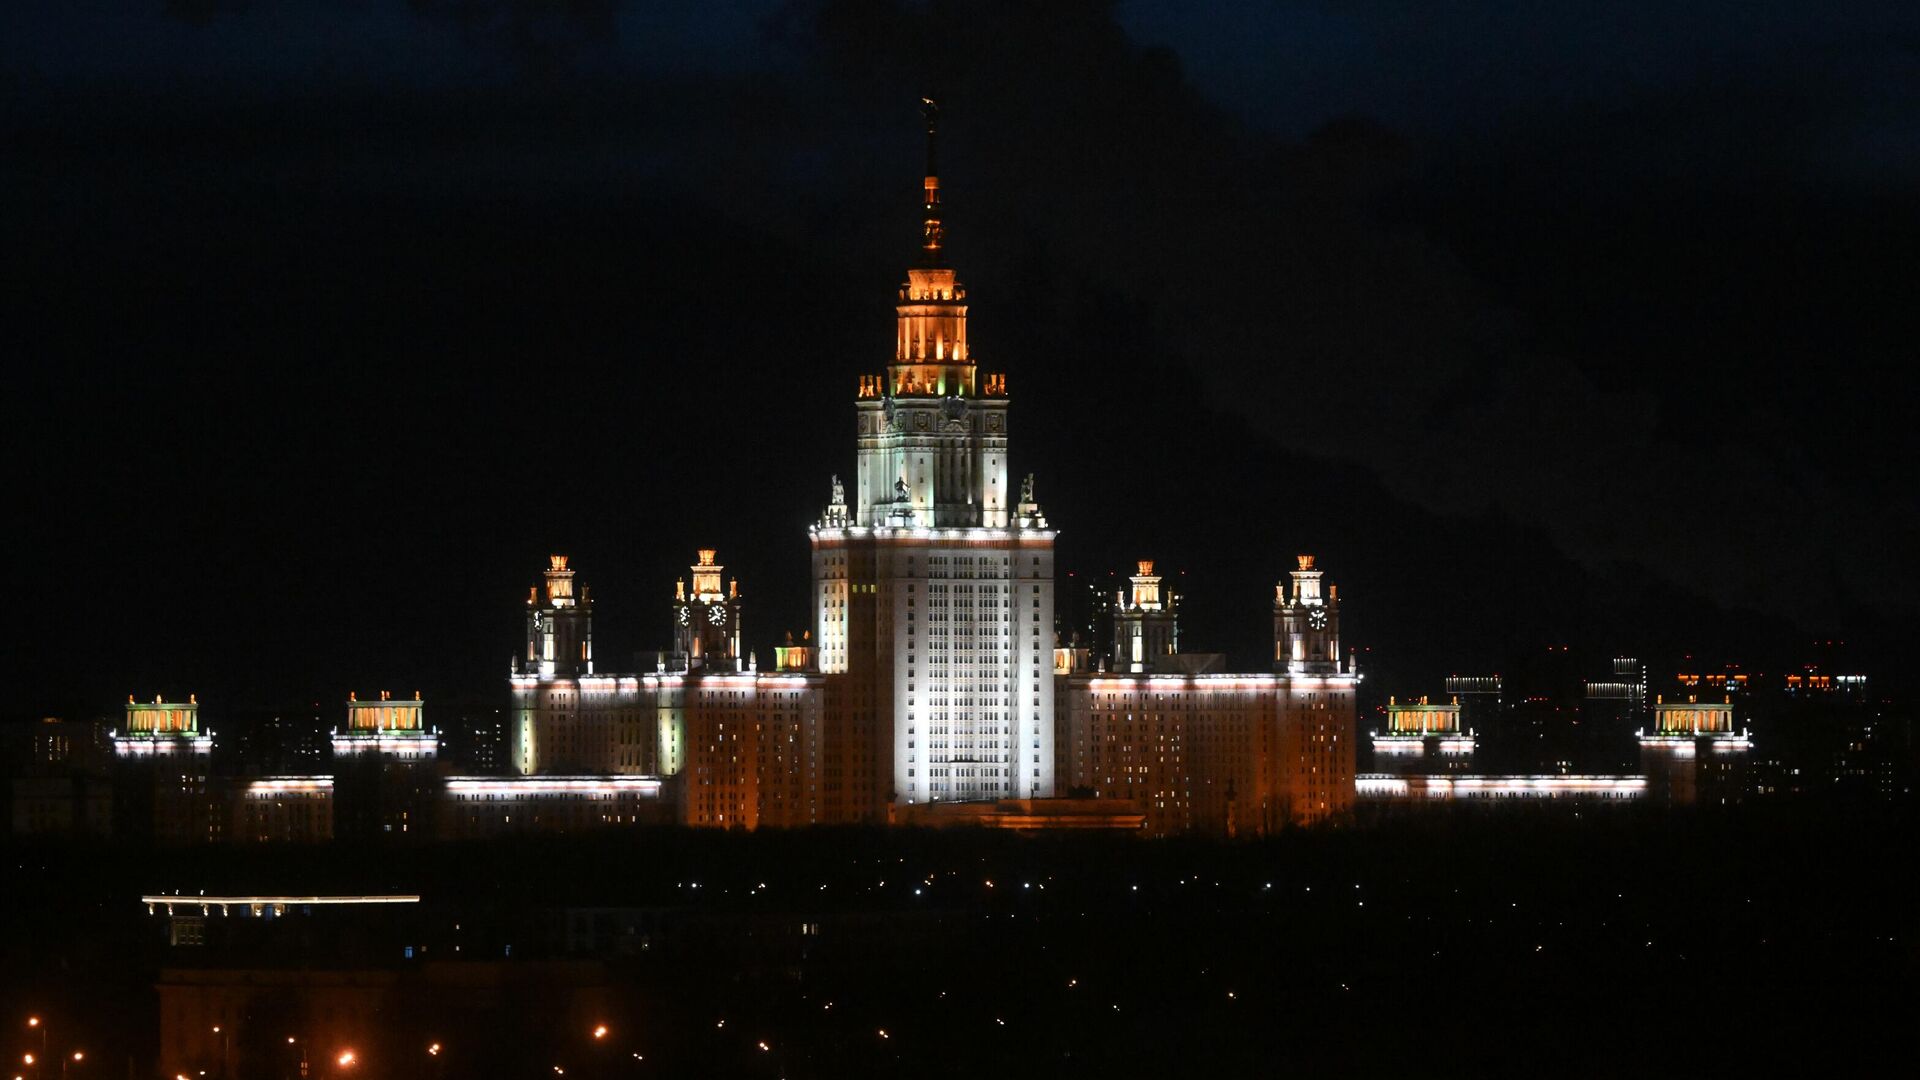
600 1031
434 1049
345 1059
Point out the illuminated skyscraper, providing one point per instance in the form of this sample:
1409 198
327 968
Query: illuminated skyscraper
932 582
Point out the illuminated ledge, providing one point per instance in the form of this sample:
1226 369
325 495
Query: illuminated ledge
1685 745
1218 681
153 745
288 785
406 744
262 905
1399 744
471 786
1415 788
863 532
776 679
591 684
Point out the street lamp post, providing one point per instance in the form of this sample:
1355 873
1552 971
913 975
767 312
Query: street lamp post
226 1038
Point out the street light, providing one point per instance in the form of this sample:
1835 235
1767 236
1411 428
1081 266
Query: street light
34 1023
345 1059
600 1031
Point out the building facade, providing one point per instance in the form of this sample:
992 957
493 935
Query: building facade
163 775
1422 738
1693 754
566 717
1214 752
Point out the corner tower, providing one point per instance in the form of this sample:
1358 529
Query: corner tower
1306 624
706 619
933 583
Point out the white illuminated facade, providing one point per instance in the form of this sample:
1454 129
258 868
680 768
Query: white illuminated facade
933 583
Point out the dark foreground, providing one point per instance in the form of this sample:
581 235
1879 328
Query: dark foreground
1473 945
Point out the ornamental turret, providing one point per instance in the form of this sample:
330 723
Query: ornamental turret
559 626
1306 623
1145 630
706 618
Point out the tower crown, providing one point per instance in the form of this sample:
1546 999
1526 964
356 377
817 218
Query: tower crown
559 582
930 356
932 428
1146 586
706 575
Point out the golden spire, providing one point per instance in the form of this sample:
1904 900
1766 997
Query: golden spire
933 232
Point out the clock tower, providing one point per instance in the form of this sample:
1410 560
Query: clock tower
560 630
1306 624
706 620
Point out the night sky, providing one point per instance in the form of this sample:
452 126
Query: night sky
326 323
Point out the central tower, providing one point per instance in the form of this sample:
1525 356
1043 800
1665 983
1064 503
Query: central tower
933 584
932 429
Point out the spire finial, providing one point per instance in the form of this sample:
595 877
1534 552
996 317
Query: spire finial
933 232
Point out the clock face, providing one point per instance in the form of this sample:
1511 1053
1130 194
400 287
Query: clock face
1317 618
680 613
716 615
